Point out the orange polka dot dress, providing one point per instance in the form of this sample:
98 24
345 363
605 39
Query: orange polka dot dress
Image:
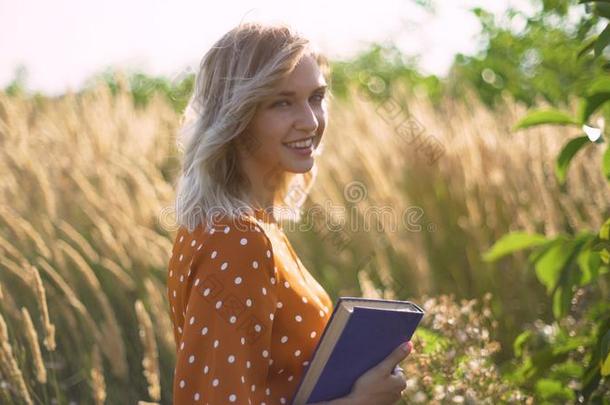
247 314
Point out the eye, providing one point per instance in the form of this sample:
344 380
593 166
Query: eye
320 97
279 103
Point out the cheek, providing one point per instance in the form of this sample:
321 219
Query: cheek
271 130
322 116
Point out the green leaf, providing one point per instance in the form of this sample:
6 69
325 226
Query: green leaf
513 242
605 354
541 117
566 155
589 263
562 298
602 9
588 105
553 390
587 47
520 342
602 40
548 267
601 84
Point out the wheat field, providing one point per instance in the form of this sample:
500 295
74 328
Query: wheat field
86 226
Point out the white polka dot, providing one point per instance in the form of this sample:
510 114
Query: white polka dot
227 229
233 319
271 316
257 327
196 282
312 334
182 383
243 379
181 345
243 241
279 304
249 302
193 242
213 255
298 318
253 387
286 284
264 291
305 363
174 293
231 359
283 400
297 353
192 321
272 280
268 391
284 339
216 343
181 277
206 369
304 300
248 364
206 292
199 247
180 258
265 353
268 253
224 266
243 340
218 304
290 378
171 272
215 382
212 231
232 397
237 280
255 264
181 238
196 396
191 358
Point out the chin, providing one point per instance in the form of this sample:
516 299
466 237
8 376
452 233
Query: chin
300 167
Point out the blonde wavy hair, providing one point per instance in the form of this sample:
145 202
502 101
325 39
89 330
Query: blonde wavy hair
238 72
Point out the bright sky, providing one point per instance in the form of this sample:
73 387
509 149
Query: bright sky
64 42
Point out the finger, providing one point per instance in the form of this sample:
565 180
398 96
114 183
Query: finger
387 365
398 370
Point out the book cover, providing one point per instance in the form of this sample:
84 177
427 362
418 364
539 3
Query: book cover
373 329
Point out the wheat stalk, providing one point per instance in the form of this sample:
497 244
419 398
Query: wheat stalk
32 339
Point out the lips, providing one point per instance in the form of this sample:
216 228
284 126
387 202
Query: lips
301 143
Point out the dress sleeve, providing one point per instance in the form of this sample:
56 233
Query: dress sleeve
225 347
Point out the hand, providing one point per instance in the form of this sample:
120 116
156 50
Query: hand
383 384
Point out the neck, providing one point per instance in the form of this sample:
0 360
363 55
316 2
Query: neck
265 183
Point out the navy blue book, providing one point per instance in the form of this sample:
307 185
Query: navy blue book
360 333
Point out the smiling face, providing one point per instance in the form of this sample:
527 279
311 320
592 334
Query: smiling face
297 111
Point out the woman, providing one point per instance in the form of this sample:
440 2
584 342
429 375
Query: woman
247 315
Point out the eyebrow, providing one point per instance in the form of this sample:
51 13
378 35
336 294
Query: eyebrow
289 93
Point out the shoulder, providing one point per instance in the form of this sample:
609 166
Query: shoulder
241 236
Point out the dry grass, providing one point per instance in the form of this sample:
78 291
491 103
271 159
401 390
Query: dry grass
84 235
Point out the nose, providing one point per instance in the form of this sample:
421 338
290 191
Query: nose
307 120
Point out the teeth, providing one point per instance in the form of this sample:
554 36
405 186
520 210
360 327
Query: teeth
300 144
